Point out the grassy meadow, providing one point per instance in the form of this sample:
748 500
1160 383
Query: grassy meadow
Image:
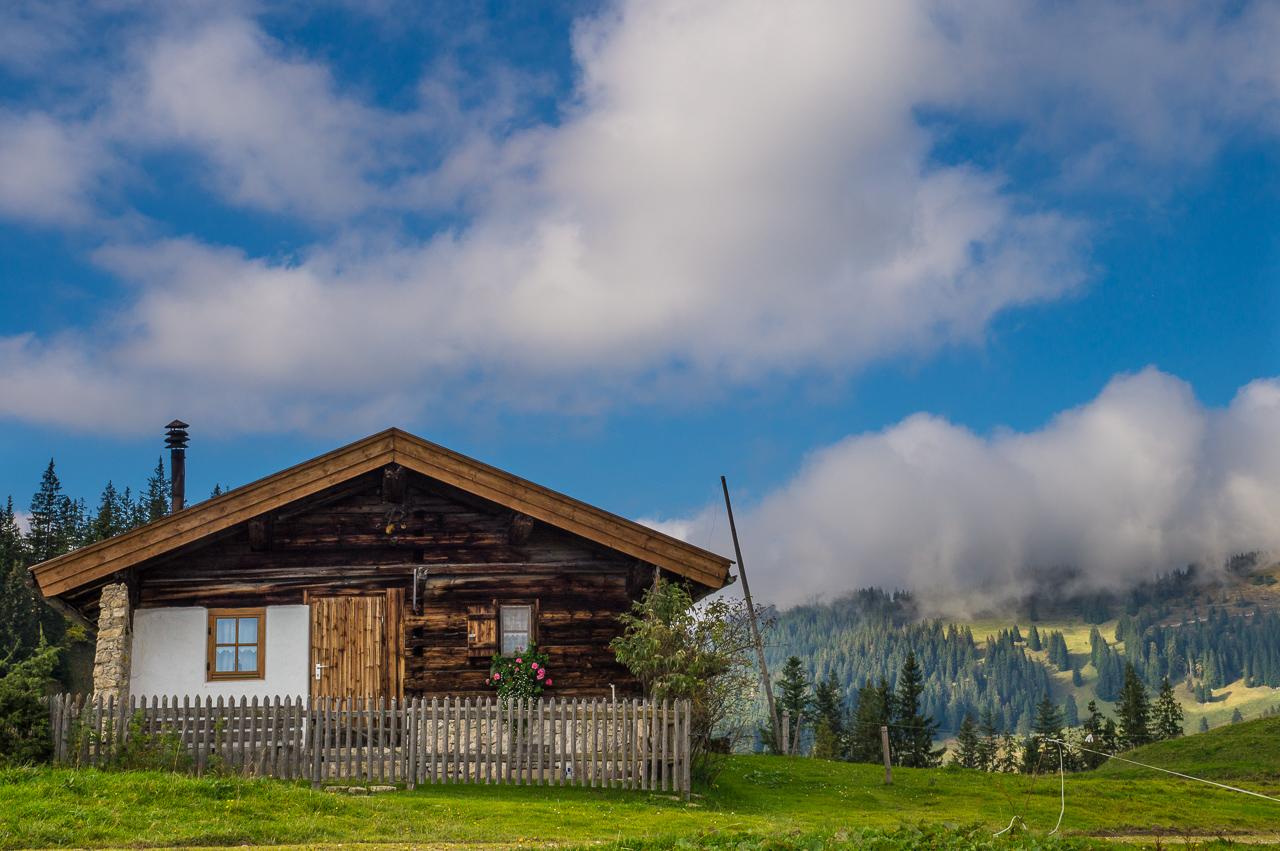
757 796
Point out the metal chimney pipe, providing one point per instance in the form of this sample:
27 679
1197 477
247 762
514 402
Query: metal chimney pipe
176 440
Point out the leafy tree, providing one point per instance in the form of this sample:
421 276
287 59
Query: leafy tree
1133 709
969 744
701 654
917 731
1168 714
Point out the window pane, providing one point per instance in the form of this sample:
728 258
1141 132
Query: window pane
515 618
248 631
248 658
226 631
224 659
513 641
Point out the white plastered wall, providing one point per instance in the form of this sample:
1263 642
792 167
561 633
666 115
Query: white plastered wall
170 648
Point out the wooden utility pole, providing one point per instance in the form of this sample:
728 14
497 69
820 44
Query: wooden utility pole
779 735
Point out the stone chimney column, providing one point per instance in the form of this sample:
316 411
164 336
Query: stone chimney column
111 662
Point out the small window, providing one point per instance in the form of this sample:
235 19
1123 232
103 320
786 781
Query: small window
515 624
236 641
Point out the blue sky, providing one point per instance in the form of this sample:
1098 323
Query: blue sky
624 248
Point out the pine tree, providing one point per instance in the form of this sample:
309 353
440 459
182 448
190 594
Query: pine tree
156 502
1070 712
112 517
1236 717
1033 639
916 731
1133 709
1098 737
48 536
989 748
968 744
1168 714
1204 725
791 687
830 709
874 710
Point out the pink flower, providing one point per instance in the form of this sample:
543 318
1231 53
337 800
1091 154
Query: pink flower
548 681
497 677
541 674
535 666
517 661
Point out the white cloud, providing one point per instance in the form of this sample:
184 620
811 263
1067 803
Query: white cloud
1140 480
735 192
49 169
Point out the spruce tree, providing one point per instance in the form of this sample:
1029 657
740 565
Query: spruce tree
830 709
48 536
1070 712
791 689
1168 714
1033 639
1203 727
989 742
969 744
1236 717
155 503
1133 709
916 730
871 713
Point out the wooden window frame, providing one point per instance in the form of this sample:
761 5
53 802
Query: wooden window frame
211 642
532 606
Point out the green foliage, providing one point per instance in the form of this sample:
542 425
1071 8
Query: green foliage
1033 639
25 736
969 745
831 710
520 676
790 692
915 730
867 634
703 654
1133 711
1167 714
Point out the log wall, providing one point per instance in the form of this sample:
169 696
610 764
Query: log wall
465 552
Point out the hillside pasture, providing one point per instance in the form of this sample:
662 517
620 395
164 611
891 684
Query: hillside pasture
760 795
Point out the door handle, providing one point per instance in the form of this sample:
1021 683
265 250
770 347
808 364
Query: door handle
318 667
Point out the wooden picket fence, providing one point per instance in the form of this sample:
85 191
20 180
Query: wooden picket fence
630 743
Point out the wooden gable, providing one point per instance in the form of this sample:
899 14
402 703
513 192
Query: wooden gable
256 512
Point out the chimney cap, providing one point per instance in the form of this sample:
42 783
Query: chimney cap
177 424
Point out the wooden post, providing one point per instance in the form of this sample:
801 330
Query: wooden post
884 741
778 736
786 725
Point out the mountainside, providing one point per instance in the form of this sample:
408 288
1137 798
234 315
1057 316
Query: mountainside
1216 638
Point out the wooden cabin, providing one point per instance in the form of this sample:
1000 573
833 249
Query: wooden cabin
391 567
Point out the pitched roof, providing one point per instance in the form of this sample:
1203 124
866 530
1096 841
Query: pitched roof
393 446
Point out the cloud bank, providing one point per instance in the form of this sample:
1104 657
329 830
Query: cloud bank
733 192
1138 481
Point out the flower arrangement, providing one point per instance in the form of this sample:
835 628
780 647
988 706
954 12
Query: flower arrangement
521 675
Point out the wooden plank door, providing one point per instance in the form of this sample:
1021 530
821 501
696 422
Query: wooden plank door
357 646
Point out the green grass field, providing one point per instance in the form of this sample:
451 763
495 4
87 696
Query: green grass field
757 796
1248 752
